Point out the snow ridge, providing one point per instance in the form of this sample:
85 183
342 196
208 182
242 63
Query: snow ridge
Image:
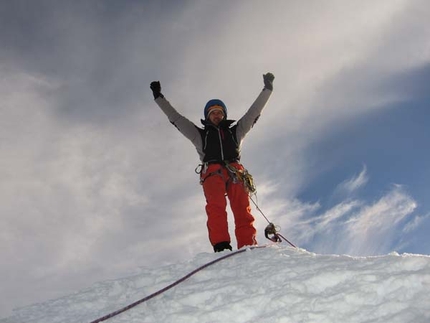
273 284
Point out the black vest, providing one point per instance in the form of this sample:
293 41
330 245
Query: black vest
220 143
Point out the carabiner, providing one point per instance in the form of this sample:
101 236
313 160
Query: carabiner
271 233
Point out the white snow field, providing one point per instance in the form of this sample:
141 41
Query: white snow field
272 284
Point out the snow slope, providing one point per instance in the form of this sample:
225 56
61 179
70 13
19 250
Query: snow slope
273 284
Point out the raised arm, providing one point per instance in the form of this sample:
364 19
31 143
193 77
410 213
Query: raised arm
185 126
248 120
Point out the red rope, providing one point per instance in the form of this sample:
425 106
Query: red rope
126 308
285 239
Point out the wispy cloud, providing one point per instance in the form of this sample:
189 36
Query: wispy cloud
374 228
353 184
357 227
415 223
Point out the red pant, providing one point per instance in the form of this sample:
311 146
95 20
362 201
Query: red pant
217 183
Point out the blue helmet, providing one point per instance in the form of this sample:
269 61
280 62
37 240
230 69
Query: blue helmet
213 102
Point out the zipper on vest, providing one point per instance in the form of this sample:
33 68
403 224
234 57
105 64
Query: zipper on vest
220 143
206 140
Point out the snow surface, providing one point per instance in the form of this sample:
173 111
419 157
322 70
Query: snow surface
272 284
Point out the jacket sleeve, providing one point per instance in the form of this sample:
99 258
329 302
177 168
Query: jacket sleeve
245 123
185 126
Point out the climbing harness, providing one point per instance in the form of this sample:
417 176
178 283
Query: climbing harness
202 169
242 175
271 231
147 298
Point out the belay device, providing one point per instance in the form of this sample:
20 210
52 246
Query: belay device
271 233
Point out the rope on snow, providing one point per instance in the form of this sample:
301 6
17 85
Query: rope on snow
126 308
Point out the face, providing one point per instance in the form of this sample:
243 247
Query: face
216 117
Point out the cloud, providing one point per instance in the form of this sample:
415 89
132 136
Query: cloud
357 227
348 187
77 198
94 179
322 230
374 228
412 225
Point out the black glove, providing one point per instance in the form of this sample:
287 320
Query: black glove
268 81
156 89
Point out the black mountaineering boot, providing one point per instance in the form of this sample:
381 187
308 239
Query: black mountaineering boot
222 246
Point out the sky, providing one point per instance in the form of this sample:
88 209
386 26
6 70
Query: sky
95 182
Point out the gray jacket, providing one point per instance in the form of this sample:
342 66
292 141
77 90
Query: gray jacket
194 133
